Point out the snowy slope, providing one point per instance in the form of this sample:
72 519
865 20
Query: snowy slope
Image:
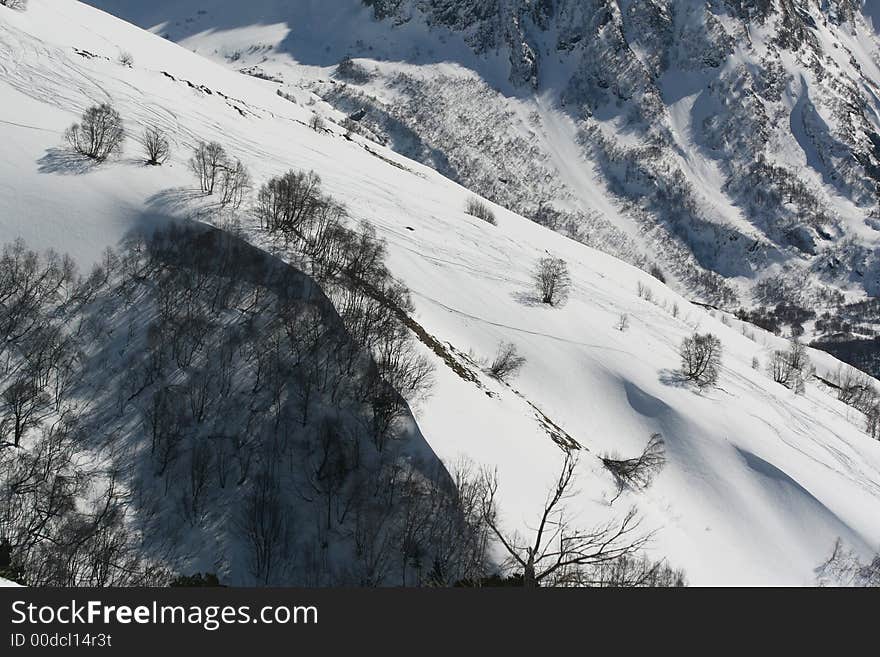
7 583
729 137
760 482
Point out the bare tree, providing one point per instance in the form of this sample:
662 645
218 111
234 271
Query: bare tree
701 359
155 145
99 134
552 280
235 181
637 473
207 163
623 322
560 553
263 525
24 404
316 123
507 362
195 488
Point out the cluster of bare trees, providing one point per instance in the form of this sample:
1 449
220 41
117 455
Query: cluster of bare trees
61 523
37 357
856 389
54 527
290 203
701 359
251 384
791 366
481 210
216 170
327 498
100 134
248 403
350 71
293 207
846 568
246 384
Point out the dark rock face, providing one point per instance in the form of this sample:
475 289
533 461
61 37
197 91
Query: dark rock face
521 26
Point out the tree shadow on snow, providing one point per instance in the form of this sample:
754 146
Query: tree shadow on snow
673 378
65 162
526 298
182 201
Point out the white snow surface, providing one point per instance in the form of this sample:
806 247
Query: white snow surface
412 59
759 482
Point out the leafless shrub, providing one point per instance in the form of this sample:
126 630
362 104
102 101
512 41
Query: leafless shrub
507 362
637 473
99 134
623 322
701 359
477 208
126 58
317 123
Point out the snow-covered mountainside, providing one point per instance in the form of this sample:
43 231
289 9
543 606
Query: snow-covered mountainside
759 482
734 144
